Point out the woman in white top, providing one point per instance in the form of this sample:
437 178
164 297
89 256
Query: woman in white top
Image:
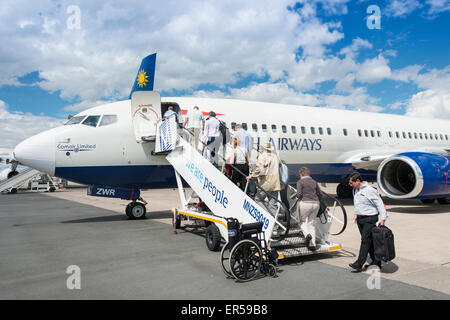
240 159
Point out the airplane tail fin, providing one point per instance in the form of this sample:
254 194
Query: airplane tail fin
146 75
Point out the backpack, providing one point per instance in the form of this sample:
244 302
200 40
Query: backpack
223 131
284 174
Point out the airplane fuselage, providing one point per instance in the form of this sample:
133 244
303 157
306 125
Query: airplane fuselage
328 141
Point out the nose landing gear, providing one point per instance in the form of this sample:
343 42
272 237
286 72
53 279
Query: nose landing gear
136 210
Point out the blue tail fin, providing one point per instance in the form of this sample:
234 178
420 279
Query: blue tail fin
146 75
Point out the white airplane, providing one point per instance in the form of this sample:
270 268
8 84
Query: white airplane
107 146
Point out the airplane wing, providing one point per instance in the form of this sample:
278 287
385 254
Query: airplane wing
370 160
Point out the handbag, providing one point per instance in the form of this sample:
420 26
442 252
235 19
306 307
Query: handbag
383 243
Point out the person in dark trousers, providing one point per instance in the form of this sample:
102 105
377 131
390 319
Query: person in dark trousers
368 205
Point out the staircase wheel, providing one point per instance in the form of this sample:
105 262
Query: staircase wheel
213 237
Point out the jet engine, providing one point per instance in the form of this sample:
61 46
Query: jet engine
415 175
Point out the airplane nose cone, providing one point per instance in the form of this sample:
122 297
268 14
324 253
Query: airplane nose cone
38 152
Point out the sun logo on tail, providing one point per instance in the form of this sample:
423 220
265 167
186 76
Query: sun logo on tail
142 78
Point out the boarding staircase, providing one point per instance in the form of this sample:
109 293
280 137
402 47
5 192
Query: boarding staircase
11 184
226 200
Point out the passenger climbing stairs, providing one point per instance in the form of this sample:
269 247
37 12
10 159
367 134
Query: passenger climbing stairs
225 200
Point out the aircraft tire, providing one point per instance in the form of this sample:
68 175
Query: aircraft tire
213 237
443 200
136 211
344 191
128 208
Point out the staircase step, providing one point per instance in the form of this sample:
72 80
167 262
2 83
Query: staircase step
292 231
291 241
304 251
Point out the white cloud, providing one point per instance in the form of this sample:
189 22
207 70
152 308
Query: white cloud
353 49
401 8
373 70
358 99
198 43
434 99
437 6
429 104
17 126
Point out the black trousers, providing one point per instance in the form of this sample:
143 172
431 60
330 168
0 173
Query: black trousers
365 225
237 178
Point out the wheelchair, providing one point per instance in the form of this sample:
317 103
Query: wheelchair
246 254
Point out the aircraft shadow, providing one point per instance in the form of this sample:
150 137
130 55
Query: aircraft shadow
423 209
121 217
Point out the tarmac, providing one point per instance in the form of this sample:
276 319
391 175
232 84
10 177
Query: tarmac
43 234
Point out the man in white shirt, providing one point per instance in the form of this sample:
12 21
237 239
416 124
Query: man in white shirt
245 137
169 112
212 138
368 206
194 122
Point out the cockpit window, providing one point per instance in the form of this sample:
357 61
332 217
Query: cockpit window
91 121
75 120
108 119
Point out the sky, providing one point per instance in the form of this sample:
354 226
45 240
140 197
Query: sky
62 57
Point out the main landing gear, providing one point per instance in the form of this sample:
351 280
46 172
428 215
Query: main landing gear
344 191
136 210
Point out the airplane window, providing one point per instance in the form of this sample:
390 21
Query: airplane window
436 136
379 133
74 120
254 127
415 135
294 129
366 133
446 137
320 131
426 136
372 133
431 136
397 134
313 130
108 119
359 133
404 135
329 131
244 125
264 127
91 121
420 135
274 128
345 132
303 130
442 138
390 134
409 135
284 129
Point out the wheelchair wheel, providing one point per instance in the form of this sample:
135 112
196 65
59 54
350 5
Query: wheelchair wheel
335 214
225 260
245 260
